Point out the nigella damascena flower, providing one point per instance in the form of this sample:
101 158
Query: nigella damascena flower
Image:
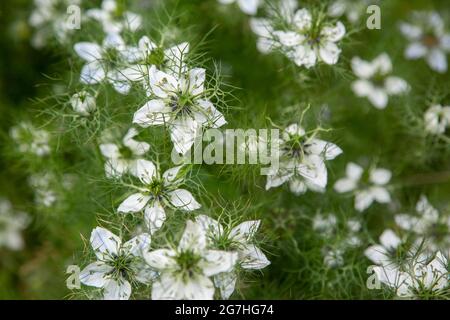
185 271
306 40
431 227
83 103
180 103
240 239
106 62
29 139
375 80
12 224
437 119
122 157
115 18
428 39
156 193
249 7
302 161
118 265
367 187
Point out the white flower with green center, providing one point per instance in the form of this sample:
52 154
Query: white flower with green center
83 103
115 18
437 119
11 226
240 239
119 265
420 279
106 62
30 139
428 224
122 158
180 103
375 80
185 271
367 186
156 193
50 19
302 161
171 60
428 39
247 6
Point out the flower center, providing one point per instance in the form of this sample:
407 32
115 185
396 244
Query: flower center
156 187
188 263
125 152
156 57
112 58
430 41
294 148
122 266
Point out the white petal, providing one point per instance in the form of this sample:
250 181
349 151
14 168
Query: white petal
117 290
362 88
152 113
110 150
415 50
410 31
245 231
335 33
345 185
154 216
363 200
138 245
212 227
215 261
209 115
314 171
114 41
193 238
92 73
226 283
253 258
198 287
383 63
115 167
104 243
362 69
324 149
406 221
380 194
88 51
162 84
261 27
390 240
137 147
171 174
380 176
95 274
184 200
183 132
302 19
133 21
196 81
437 60
377 254
168 287
249 6
378 98
396 85
288 38
353 171
329 53
297 186
304 56
161 259
134 203
145 171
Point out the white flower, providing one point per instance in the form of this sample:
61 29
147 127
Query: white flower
325 225
83 103
156 193
43 184
302 161
117 264
123 158
428 224
31 140
417 278
366 192
352 9
247 6
185 271
181 104
427 40
50 19
302 41
239 239
437 119
333 257
106 62
11 225
375 82
171 60
115 18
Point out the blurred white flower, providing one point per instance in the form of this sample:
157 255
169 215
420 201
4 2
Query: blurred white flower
185 271
83 103
367 189
353 10
247 6
30 139
50 19
302 161
239 239
115 18
106 62
428 224
428 39
123 157
375 82
117 264
181 104
437 119
156 193
302 40
11 226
